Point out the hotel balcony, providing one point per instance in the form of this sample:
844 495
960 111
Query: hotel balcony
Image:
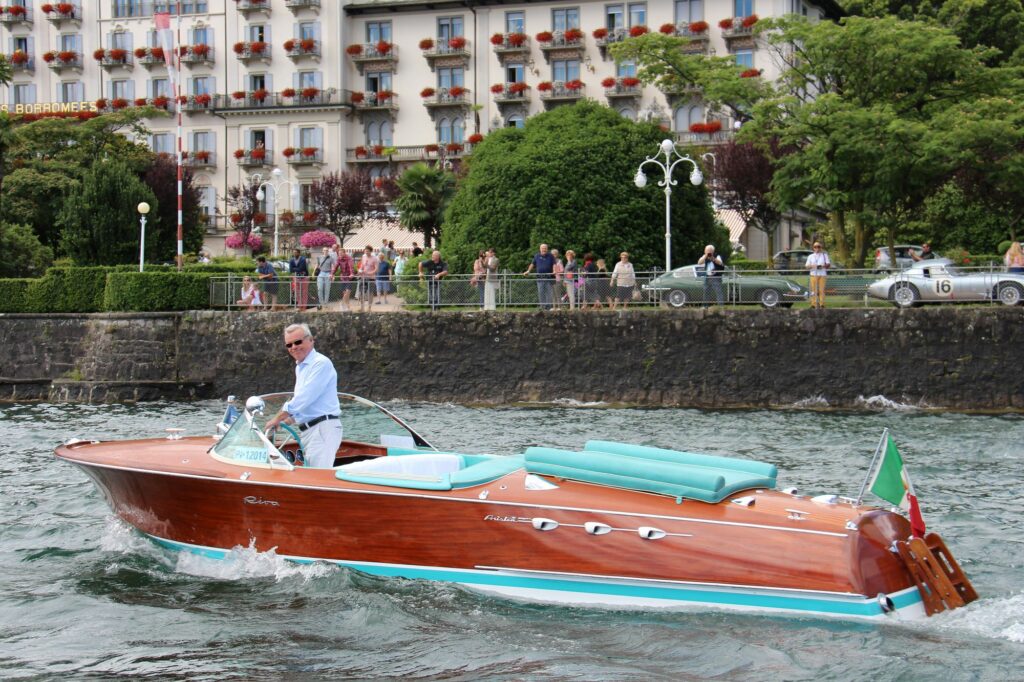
510 45
303 48
374 101
406 154
304 156
297 6
382 54
197 104
197 55
703 139
699 38
253 51
283 101
150 56
64 13
454 97
21 62
15 15
511 93
451 52
249 7
67 60
201 159
116 59
570 44
561 92
255 158
739 35
626 87
612 36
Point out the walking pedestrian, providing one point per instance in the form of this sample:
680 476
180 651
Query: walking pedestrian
818 263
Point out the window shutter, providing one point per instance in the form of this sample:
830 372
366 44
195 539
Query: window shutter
318 79
270 138
268 82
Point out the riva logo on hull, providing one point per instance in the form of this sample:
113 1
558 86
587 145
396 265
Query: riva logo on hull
252 499
506 519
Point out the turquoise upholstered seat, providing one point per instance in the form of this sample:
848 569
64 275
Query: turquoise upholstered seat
424 470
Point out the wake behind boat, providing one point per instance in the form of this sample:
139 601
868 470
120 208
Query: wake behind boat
612 524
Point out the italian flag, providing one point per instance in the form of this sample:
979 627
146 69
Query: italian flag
892 483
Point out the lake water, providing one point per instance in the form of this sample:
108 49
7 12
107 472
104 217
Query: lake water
81 595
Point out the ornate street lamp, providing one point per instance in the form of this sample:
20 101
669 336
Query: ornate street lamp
668 148
143 209
276 186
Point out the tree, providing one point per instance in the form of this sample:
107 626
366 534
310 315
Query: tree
100 222
245 208
34 195
424 194
566 179
24 256
162 179
744 175
343 200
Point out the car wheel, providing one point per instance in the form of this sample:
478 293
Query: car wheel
769 298
904 295
677 298
1009 293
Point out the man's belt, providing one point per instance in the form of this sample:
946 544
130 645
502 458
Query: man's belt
316 420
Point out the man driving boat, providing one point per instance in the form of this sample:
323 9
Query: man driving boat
314 407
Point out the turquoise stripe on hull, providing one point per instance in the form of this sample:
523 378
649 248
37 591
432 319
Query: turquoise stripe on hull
682 595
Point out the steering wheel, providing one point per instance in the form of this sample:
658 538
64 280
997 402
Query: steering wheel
299 457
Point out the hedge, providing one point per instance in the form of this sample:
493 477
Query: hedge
68 290
13 297
157 291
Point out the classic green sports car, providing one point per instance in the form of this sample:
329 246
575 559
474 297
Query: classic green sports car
685 286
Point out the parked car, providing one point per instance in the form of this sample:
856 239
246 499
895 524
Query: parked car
938 280
904 259
793 262
685 286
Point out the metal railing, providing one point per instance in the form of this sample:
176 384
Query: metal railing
514 291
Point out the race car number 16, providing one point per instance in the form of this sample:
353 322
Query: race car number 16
944 287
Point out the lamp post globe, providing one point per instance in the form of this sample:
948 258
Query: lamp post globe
143 209
668 148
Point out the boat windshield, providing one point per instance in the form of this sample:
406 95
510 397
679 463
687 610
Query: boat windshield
363 421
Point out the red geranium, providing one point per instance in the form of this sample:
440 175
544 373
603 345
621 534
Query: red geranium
238 48
430 148
384 95
65 8
309 217
161 101
118 55
307 44
288 152
475 138
354 50
457 43
200 50
101 103
497 88
698 27
203 100
378 149
119 103
360 151
574 85
725 24
310 93
383 46
46 7
238 94
545 37
68 56
600 33
496 39
289 44
427 44
545 86
357 97
608 82
99 54
427 92
288 92
750 73
140 101
239 153
19 57
260 94
668 29
516 39
638 31
456 91
630 81
453 147
573 35
140 52
48 57
156 52
202 155
310 152
749 21
517 88
258 47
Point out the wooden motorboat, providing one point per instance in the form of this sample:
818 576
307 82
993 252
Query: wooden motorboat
612 524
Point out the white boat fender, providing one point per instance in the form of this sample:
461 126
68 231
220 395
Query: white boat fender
887 604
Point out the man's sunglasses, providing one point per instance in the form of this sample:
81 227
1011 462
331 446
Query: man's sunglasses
294 343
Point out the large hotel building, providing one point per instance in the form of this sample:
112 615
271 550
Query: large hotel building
309 86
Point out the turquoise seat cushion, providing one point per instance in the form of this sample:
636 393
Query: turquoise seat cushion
484 471
401 470
728 463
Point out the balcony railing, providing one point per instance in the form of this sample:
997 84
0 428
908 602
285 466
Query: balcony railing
21 62
251 51
371 101
65 60
446 97
247 7
376 153
372 52
123 9
299 48
511 44
615 35
117 59
286 99
150 56
197 104
251 158
457 47
201 159
719 137
197 55
630 88
64 12
304 156
16 15
575 41
297 6
738 31
563 91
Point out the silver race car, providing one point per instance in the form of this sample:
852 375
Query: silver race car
939 281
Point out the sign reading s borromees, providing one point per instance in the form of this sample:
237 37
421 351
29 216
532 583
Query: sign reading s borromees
48 107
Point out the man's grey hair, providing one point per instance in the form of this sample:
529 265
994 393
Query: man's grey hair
709 246
296 327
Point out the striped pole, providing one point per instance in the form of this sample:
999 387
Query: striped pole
181 255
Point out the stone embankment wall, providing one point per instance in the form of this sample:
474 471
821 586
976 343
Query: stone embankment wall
959 358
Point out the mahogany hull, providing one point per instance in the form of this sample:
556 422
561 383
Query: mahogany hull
761 556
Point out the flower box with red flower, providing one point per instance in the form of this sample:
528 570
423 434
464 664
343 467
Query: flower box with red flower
288 93
239 153
203 100
698 27
287 217
238 94
574 85
725 24
573 35
427 92
457 92
16 11
46 7
257 47
310 93
497 88
608 82
668 29
140 52
475 138
360 151
383 47
431 148
457 43
238 48
545 37
259 218
496 40
202 156
307 44
288 152
384 96
141 101
48 57
427 44
19 57
378 150
101 103
161 101
518 88
453 148
637 31
65 8
309 217
354 50
117 54
749 21
357 97
260 94
545 86
67 56
310 152
750 73
118 103
600 33
99 54
289 45
201 50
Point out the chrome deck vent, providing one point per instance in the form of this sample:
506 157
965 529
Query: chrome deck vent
745 501
595 528
651 533
544 524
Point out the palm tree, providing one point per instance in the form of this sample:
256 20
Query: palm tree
424 194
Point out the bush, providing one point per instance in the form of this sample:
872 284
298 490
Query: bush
157 291
24 255
13 298
409 287
745 265
68 290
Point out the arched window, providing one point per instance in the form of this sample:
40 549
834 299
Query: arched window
444 131
458 126
385 133
515 121
373 133
686 115
627 112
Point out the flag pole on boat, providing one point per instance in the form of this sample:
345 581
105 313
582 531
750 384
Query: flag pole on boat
871 467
